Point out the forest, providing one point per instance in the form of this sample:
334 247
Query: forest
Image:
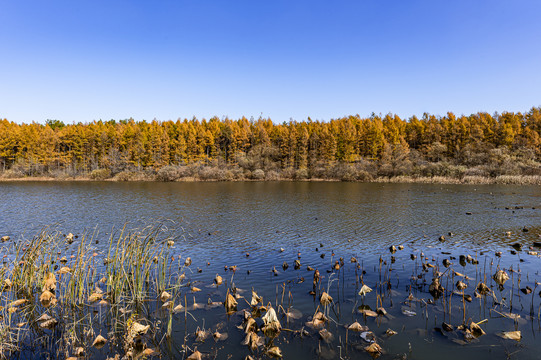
352 148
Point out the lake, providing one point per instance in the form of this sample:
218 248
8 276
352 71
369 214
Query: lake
246 224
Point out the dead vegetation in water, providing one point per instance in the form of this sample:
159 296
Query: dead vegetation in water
49 293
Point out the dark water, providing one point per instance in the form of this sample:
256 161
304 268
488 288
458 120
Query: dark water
219 223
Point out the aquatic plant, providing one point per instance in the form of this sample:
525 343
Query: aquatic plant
68 298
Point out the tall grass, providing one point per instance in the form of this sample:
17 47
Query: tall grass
137 268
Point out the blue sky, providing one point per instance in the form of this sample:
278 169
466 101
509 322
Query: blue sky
89 60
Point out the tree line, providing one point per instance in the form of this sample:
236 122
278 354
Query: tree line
347 148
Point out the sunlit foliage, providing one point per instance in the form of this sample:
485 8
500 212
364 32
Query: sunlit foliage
380 145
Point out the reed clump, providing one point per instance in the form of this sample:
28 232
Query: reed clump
68 292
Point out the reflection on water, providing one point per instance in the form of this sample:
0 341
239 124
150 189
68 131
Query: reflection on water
301 214
218 223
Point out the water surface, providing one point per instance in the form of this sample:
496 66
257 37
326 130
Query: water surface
217 224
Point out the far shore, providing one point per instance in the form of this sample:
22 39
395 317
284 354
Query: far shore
472 180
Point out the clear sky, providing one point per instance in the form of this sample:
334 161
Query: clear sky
76 60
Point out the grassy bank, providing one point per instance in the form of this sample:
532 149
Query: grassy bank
134 176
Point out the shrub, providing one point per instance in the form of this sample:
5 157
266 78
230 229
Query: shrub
60 174
258 174
386 170
183 171
126 176
100 174
237 173
301 174
227 175
343 172
319 172
364 175
477 171
212 173
288 173
168 173
272 175
347 173
246 174
13 174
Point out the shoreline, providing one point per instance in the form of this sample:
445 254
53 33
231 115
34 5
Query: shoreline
466 180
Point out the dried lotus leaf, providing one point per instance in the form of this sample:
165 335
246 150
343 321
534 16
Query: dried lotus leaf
99 342
165 296
230 303
47 299
500 277
95 297
325 299
256 299
374 349
476 330
219 336
461 285
511 335
482 288
48 324
364 290
275 352
196 355
64 270
357 327
17 302
201 335
138 329
44 317
49 282
326 335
